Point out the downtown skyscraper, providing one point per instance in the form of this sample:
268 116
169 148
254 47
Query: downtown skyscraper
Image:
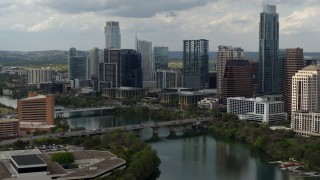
113 36
270 66
224 54
195 63
147 62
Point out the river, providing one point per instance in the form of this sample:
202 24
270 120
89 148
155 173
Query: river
189 158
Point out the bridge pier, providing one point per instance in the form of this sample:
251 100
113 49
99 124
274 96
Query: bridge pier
155 132
59 115
98 112
172 131
137 132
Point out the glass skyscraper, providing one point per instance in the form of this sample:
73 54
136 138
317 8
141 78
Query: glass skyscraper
270 66
161 57
77 65
113 36
195 63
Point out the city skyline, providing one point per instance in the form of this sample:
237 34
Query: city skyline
46 25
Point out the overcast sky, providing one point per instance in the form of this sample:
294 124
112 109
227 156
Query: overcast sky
27 25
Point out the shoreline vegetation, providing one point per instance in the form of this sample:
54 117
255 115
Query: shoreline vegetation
277 144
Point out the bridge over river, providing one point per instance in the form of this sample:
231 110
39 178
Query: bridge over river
136 128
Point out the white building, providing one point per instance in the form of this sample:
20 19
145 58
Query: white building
37 76
258 109
208 103
305 85
113 36
305 118
306 123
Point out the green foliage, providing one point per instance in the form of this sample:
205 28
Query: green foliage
63 158
78 101
278 144
19 144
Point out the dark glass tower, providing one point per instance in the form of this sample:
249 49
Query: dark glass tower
195 63
270 66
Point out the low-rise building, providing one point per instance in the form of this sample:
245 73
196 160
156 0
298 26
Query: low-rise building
208 103
33 164
306 123
260 109
9 128
125 92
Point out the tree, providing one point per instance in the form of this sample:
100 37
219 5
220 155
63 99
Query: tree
63 158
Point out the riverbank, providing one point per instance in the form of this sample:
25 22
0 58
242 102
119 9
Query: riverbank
278 144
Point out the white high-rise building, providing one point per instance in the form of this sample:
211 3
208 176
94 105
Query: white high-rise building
147 63
224 54
305 118
113 36
305 89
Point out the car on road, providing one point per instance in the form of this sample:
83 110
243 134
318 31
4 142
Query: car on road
61 134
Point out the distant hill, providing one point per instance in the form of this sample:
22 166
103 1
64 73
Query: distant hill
14 58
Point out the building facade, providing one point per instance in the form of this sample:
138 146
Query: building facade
293 63
305 89
121 67
195 63
94 57
168 79
270 66
112 34
161 57
77 65
147 62
306 123
37 76
224 54
237 80
257 109
208 103
36 113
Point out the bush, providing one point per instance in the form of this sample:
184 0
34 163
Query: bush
63 158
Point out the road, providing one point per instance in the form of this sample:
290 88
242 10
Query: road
104 130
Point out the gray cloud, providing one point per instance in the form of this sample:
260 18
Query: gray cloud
124 8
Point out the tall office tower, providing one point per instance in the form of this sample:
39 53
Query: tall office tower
37 76
147 62
36 112
237 80
269 64
94 57
77 66
293 63
113 36
121 68
133 72
161 57
305 89
224 54
195 63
